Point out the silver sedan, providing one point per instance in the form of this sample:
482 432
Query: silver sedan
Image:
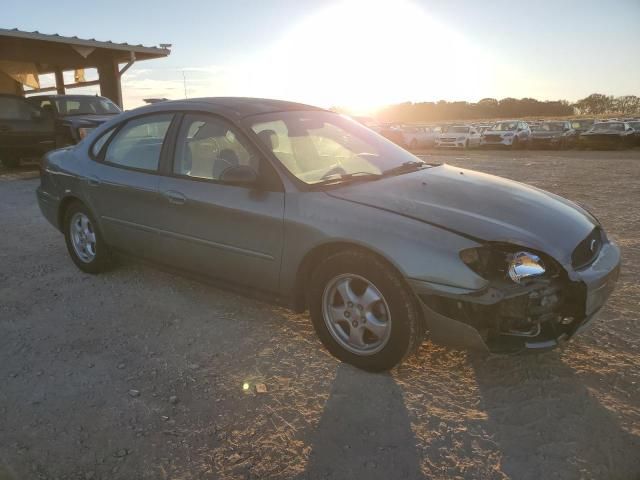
317 211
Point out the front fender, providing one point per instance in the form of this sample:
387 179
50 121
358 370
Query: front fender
419 251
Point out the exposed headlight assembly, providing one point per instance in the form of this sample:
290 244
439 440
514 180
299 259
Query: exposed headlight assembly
523 265
494 262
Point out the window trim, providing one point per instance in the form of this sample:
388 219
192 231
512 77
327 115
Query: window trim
238 131
109 131
116 130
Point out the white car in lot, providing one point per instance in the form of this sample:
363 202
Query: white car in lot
509 133
458 136
418 136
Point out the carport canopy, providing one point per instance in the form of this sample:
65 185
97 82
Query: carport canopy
25 55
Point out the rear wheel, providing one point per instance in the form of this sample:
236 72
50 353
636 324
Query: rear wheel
84 241
363 312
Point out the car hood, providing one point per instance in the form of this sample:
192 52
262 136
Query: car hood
497 132
543 134
481 206
454 135
616 133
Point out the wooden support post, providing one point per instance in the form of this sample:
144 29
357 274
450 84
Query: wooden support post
59 82
110 82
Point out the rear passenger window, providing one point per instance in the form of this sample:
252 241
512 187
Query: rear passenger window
139 143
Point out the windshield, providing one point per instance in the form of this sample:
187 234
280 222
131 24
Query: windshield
600 127
550 127
86 106
505 126
635 125
319 146
457 130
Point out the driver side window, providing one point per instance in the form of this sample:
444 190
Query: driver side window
207 146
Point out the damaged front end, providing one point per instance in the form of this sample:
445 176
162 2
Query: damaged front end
530 301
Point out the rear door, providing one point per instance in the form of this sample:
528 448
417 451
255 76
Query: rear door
24 128
231 232
122 184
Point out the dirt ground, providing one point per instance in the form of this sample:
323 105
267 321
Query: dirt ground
141 374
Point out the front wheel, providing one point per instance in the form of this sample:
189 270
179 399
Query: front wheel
84 241
363 312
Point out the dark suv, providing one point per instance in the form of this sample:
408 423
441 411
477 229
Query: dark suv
75 115
25 130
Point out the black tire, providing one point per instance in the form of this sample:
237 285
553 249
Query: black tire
102 259
407 322
10 160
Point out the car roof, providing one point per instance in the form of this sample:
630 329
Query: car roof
65 96
237 106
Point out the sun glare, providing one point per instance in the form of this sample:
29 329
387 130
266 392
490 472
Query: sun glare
362 55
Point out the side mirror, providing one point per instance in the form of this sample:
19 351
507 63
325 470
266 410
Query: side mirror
37 114
239 175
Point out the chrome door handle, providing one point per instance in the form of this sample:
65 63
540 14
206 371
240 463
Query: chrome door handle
175 198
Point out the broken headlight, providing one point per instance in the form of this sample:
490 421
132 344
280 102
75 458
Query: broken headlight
523 265
493 263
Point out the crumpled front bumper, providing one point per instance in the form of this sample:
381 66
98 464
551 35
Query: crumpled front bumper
596 282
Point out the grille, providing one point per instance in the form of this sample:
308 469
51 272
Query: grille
588 249
447 139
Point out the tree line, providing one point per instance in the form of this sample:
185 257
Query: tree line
594 104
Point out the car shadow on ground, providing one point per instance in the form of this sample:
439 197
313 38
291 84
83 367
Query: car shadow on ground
547 424
519 417
364 431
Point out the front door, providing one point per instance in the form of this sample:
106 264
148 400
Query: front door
223 230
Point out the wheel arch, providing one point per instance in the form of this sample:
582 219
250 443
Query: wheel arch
316 254
64 205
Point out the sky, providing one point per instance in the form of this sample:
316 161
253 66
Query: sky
360 54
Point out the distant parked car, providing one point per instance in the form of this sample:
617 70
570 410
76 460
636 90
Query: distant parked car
511 133
393 133
458 136
635 124
75 115
415 137
582 125
608 135
556 134
482 127
25 130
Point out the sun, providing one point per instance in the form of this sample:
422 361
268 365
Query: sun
364 54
